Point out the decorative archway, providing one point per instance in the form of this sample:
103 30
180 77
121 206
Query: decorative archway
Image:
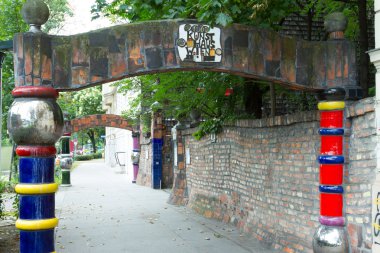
97 120
45 65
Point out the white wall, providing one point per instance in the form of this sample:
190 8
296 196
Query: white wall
117 140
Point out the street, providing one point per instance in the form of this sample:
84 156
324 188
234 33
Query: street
103 212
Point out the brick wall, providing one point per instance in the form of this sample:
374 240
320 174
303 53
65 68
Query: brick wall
167 159
360 173
144 176
263 177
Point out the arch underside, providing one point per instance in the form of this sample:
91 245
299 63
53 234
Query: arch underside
80 61
97 120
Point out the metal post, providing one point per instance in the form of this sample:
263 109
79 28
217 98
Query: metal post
66 160
135 155
4 46
2 57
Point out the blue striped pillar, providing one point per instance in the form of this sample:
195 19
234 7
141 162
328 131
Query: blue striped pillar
37 201
157 143
35 123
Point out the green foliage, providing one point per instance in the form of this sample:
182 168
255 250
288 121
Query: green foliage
15 204
215 12
2 186
7 187
212 126
11 19
262 13
58 174
146 121
372 91
97 155
7 99
59 9
88 157
82 103
176 91
181 92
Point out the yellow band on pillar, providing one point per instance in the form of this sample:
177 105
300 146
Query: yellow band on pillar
36 188
36 224
328 106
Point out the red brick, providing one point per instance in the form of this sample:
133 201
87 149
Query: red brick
46 68
288 250
355 232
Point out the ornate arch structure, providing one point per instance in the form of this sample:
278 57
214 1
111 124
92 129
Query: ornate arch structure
79 61
46 64
97 120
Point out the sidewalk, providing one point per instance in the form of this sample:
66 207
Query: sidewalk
103 212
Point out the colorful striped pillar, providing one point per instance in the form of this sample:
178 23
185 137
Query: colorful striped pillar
35 123
331 235
135 155
157 143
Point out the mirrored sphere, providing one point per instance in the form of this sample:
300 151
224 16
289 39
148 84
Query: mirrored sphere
66 163
35 121
328 239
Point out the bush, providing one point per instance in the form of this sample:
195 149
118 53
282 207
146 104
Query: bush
6 187
2 187
97 155
208 127
83 157
88 157
58 174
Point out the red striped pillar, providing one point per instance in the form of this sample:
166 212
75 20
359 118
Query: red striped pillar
331 235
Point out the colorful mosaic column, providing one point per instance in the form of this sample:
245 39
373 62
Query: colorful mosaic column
331 235
135 155
157 143
35 123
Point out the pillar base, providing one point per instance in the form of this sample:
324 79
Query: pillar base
329 239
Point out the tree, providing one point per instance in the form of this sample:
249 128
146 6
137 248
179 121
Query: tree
83 103
184 94
264 13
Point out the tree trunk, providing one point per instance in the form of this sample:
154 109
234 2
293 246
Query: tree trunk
253 99
272 100
363 44
309 24
91 135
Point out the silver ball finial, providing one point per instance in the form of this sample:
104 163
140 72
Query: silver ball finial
35 13
329 239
